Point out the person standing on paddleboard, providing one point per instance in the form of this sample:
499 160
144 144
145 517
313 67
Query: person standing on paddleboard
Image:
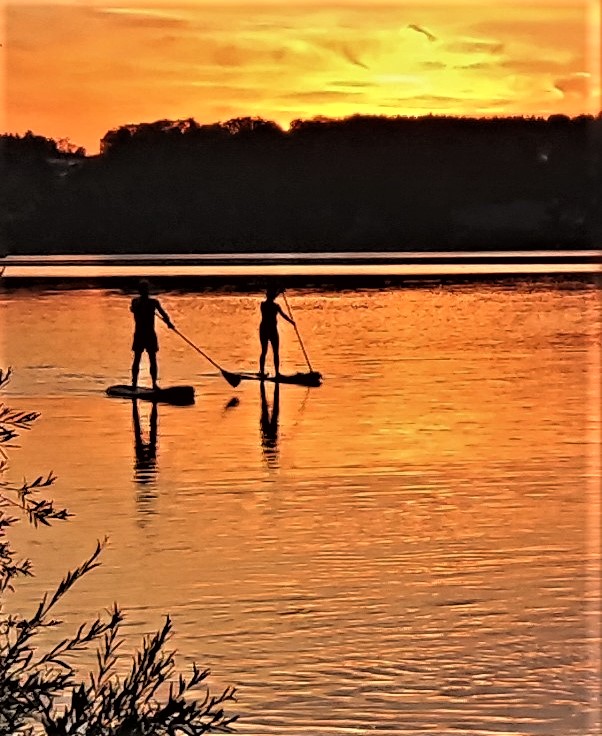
143 308
268 329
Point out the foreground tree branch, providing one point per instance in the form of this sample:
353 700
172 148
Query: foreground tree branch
39 689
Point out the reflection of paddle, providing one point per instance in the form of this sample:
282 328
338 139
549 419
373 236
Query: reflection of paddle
232 378
290 313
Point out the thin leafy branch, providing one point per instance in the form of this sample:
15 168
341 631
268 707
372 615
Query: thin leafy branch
39 688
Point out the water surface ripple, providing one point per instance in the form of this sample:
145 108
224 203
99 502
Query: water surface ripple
410 549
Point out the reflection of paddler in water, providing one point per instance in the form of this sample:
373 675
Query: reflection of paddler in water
143 308
268 329
145 467
269 425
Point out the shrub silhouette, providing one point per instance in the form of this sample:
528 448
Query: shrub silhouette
39 689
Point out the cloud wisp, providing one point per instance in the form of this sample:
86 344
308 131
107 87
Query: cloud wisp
419 29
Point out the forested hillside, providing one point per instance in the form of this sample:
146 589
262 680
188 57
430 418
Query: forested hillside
360 183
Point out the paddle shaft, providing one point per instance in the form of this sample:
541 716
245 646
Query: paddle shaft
232 378
192 345
297 331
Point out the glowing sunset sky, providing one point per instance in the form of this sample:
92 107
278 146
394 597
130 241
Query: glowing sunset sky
76 70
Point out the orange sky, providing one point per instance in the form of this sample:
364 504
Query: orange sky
76 70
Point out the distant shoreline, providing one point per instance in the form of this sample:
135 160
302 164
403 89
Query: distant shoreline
301 270
339 259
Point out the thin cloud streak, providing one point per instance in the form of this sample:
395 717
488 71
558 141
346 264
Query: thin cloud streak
426 33
470 46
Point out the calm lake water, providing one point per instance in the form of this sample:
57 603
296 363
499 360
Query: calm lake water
412 548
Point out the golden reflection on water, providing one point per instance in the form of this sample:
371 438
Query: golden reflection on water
409 546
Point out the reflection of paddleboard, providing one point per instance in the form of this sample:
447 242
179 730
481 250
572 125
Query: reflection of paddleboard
301 379
171 395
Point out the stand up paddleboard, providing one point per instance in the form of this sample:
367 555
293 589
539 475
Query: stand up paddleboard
181 395
312 379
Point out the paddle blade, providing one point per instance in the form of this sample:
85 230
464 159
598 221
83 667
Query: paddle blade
232 378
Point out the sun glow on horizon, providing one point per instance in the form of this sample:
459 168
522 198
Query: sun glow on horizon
77 71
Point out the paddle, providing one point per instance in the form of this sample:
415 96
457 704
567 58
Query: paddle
297 331
232 378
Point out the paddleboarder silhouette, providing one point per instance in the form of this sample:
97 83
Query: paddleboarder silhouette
144 307
268 328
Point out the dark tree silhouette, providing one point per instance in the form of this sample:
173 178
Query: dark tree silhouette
359 183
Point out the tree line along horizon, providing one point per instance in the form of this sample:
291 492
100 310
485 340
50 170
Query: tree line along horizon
355 183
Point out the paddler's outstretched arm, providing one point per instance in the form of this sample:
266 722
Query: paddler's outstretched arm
164 316
283 314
